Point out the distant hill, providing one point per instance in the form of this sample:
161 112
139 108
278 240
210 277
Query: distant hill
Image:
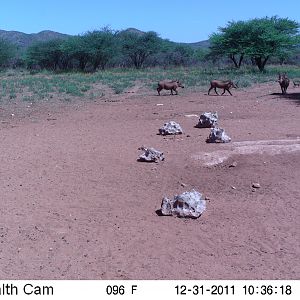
24 40
133 30
202 44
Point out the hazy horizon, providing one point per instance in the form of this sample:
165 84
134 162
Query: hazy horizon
187 22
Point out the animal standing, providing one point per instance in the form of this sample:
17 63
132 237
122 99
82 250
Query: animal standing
296 82
284 82
169 85
225 85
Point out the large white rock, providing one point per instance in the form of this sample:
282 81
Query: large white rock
188 204
150 155
218 135
170 128
207 120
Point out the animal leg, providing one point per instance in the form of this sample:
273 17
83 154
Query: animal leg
209 90
158 90
228 92
216 91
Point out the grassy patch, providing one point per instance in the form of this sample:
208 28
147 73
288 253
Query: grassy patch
46 85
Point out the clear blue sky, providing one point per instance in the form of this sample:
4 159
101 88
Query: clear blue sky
179 21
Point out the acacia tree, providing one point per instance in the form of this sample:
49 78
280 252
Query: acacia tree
258 39
75 48
101 47
138 47
7 51
47 55
230 42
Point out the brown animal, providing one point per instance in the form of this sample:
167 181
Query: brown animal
284 82
225 85
296 82
169 85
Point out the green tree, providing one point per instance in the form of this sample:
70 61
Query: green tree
101 47
7 52
201 54
174 54
258 39
76 52
138 47
230 42
47 55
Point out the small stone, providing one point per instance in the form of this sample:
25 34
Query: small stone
183 184
150 155
218 135
256 185
188 204
207 120
233 165
233 187
170 128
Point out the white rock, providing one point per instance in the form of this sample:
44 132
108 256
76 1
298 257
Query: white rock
150 155
188 204
170 128
207 120
218 135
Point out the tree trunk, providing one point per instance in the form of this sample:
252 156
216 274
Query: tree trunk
236 64
241 59
260 62
232 57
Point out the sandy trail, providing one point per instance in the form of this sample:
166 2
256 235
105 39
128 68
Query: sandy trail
75 203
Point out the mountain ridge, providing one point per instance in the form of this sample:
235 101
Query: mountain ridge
24 40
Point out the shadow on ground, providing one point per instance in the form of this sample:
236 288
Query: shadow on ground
291 96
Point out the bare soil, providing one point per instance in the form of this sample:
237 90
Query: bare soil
76 204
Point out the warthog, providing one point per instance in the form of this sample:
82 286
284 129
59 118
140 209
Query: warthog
169 85
284 82
296 82
225 85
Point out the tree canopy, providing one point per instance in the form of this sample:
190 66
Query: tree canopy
138 47
7 51
258 39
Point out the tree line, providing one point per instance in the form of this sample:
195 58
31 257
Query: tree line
101 49
256 41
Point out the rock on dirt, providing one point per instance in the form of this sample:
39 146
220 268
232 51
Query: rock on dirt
170 128
233 165
151 155
218 135
256 185
188 204
207 120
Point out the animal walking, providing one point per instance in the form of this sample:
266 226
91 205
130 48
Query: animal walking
169 85
283 82
225 85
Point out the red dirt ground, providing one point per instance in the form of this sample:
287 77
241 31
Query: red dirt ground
75 203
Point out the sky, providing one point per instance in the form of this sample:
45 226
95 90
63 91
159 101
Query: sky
179 21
